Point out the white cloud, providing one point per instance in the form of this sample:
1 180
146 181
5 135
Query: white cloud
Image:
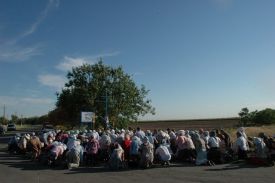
15 53
51 80
50 6
69 62
58 81
12 51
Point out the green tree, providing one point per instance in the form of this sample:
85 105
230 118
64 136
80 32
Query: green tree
14 118
101 89
266 116
3 120
244 116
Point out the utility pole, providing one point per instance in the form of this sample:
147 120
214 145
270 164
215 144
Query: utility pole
21 120
106 104
4 115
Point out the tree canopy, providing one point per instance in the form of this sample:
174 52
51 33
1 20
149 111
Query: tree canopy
101 89
266 116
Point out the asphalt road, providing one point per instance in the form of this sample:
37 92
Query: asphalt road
17 169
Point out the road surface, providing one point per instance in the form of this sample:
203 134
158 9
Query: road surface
16 169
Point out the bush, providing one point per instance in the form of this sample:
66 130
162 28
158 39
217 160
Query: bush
266 116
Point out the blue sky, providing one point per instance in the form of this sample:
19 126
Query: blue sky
198 58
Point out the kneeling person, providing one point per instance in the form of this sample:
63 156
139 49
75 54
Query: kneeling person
163 154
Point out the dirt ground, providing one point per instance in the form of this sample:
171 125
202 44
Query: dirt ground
188 124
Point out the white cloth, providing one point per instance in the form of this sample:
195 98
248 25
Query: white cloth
241 143
172 135
214 142
260 148
164 153
140 134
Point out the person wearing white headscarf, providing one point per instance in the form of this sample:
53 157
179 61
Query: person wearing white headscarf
75 155
117 157
56 151
71 142
140 133
201 158
134 151
241 146
163 154
23 143
260 148
241 130
147 153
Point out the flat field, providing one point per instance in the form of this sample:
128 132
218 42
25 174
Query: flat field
188 124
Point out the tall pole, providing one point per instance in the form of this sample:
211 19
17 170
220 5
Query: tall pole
4 115
106 104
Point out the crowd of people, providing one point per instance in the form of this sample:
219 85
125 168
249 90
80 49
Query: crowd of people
119 149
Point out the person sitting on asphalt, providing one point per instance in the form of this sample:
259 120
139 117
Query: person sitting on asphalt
172 141
186 148
35 146
260 156
13 144
117 157
71 141
214 153
227 139
139 133
242 131
74 156
56 152
92 149
162 153
23 143
150 136
241 146
147 153
201 158
206 137
181 144
260 148
104 144
272 149
126 145
134 151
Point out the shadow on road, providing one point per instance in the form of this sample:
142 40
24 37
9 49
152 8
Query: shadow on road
22 163
234 166
104 169
19 162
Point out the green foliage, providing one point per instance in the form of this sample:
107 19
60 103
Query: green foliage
3 120
14 118
33 120
244 116
87 89
266 116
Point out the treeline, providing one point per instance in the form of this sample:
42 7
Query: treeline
30 120
256 118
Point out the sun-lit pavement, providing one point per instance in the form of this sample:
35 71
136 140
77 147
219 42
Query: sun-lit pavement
17 169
